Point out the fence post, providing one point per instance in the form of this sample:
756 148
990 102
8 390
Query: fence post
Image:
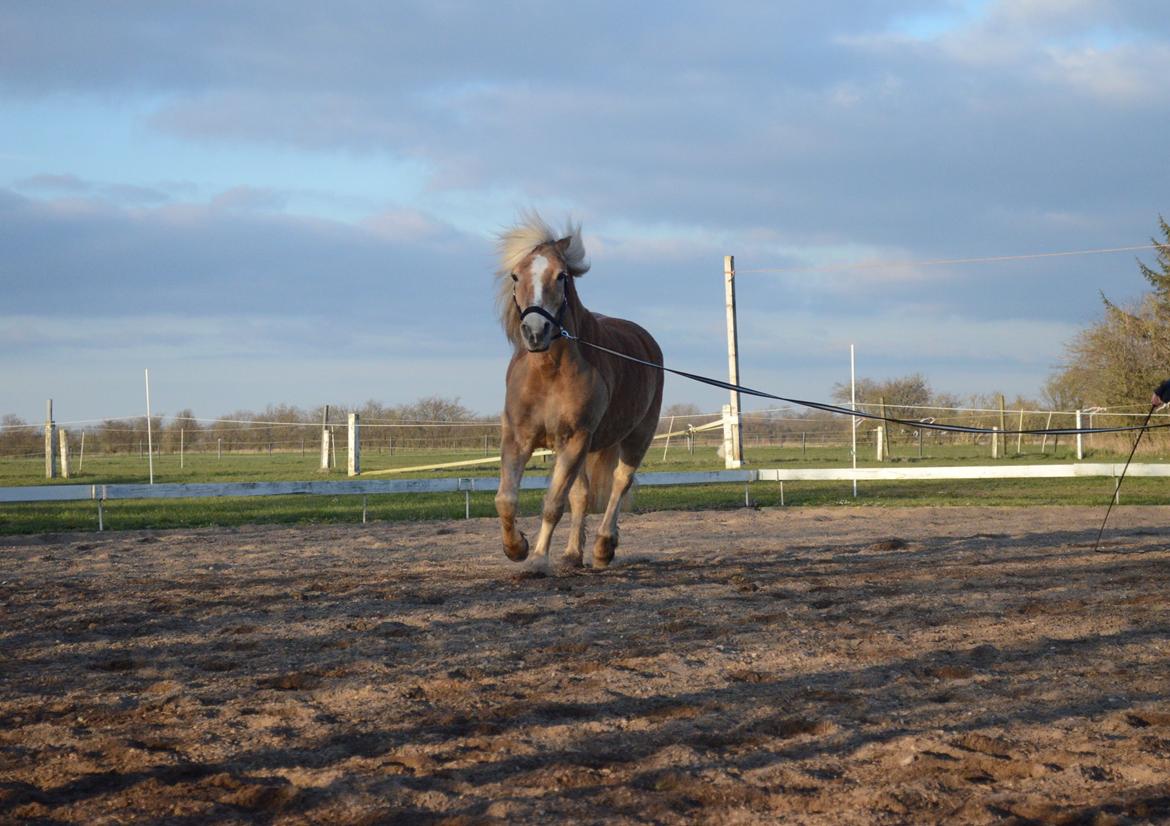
728 448
355 445
1002 425
995 437
881 443
885 434
1080 439
64 453
325 439
50 443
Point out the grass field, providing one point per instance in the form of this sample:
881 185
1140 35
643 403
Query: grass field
293 466
125 515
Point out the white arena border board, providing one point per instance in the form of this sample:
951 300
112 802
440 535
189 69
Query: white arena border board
371 487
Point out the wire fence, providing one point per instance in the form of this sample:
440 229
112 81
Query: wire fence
783 427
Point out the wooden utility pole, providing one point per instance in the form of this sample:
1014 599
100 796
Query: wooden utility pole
733 445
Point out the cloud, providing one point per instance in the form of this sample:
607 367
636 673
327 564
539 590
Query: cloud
215 258
75 186
408 225
807 120
249 198
789 135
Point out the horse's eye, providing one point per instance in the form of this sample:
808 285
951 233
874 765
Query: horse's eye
514 278
561 276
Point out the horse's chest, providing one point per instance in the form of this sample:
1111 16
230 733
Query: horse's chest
553 409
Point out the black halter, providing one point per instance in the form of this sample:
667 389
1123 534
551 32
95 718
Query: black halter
557 320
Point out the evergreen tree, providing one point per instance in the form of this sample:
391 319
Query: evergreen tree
1121 358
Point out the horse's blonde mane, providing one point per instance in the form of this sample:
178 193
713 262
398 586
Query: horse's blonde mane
514 245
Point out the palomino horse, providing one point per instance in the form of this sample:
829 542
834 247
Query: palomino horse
598 412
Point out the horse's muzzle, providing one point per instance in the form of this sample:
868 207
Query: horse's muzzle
537 335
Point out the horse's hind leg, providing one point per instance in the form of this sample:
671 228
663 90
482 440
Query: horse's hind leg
607 532
579 507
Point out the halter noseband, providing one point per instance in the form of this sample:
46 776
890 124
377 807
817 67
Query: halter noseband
556 320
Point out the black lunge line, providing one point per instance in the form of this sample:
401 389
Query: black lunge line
1121 478
845 411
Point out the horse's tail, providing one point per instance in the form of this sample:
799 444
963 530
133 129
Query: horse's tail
600 467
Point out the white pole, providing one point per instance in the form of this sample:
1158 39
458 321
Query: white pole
64 452
669 428
734 457
1080 439
853 407
355 445
325 438
149 439
81 461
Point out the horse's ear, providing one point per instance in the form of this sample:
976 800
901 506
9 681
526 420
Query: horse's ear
563 244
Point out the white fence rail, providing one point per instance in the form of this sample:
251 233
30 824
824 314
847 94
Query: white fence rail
367 487
960 472
370 487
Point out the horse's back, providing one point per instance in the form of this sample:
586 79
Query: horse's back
627 337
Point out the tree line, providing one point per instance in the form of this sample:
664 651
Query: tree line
431 422
1113 363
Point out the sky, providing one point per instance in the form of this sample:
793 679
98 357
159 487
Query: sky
297 202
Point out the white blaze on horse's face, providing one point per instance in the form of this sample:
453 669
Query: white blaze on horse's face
536 273
540 285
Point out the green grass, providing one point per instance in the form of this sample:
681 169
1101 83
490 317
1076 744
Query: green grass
275 467
42 517
190 513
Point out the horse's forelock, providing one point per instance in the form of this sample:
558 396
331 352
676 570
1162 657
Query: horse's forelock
515 244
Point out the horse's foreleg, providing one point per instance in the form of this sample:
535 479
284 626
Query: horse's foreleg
607 531
513 458
570 459
579 507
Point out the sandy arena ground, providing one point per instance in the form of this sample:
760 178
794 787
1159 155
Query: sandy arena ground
831 666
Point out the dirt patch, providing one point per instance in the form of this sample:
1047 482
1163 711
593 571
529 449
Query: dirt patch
803 666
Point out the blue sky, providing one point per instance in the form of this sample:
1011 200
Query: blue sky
293 202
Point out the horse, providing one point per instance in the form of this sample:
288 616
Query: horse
596 411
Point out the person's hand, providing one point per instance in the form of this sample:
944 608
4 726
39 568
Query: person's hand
1155 401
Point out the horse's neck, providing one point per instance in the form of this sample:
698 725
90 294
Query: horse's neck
584 322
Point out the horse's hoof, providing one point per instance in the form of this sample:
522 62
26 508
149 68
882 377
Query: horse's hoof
571 560
603 550
518 552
